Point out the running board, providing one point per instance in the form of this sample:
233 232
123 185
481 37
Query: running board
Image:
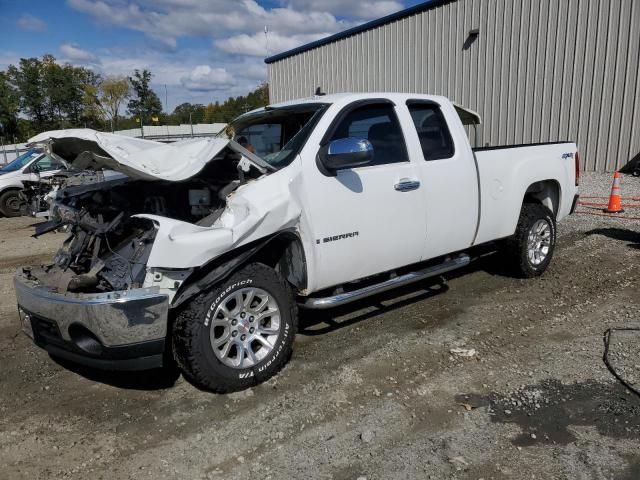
406 279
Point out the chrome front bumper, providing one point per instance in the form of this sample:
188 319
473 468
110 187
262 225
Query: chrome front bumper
121 325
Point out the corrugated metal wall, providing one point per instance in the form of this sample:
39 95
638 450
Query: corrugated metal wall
540 70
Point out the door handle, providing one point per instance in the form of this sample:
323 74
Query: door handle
406 185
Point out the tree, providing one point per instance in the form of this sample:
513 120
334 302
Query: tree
50 94
9 106
27 78
93 114
85 109
146 103
113 92
189 113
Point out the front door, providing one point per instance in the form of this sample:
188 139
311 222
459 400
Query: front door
369 219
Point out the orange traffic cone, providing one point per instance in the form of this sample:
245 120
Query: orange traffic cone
615 205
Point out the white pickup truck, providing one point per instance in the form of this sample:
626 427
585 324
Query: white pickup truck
204 249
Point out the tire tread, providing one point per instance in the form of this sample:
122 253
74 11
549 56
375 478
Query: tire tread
188 327
515 246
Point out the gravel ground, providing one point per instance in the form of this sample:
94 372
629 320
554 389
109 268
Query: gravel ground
484 376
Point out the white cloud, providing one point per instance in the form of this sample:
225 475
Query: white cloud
363 9
31 23
75 54
226 39
203 78
259 46
166 21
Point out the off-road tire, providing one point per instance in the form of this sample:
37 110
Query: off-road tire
516 246
191 341
8 198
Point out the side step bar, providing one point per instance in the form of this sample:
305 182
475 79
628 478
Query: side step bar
348 297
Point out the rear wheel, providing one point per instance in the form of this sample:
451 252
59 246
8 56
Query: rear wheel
530 250
10 203
238 334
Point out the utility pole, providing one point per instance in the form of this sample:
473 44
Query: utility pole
191 123
166 99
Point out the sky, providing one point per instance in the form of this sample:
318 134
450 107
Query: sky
202 50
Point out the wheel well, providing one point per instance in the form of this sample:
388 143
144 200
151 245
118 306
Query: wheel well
285 254
545 192
8 189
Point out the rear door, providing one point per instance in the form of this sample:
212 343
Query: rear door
448 173
369 219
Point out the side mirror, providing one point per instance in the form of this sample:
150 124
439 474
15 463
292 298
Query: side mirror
346 153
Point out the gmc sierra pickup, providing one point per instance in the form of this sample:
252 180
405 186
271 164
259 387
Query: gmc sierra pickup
201 251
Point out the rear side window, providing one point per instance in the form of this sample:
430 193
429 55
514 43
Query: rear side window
378 124
433 132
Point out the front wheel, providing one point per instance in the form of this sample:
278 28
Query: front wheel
238 334
530 250
10 203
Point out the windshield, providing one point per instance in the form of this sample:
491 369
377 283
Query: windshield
22 161
276 134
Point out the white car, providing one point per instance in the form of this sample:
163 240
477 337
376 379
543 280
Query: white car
33 165
205 251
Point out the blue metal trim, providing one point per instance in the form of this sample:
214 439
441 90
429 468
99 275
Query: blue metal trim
359 29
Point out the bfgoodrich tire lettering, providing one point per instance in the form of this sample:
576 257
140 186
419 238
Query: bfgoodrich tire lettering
530 250
197 332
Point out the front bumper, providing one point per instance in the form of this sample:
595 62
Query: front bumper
115 330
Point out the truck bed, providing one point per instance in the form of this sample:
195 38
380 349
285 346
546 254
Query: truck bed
505 172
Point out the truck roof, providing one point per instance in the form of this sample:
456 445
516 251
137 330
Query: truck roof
349 97
467 116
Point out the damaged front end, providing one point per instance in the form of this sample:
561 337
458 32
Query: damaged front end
98 301
106 250
142 219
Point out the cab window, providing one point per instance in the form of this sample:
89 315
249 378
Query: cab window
379 124
433 132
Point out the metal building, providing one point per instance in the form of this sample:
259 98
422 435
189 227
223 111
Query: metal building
536 70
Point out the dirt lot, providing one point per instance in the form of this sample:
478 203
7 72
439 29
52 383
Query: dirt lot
372 391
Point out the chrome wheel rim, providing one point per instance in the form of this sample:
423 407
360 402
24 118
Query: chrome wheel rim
245 327
539 242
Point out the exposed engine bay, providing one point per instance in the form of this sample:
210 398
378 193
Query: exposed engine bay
145 214
107 248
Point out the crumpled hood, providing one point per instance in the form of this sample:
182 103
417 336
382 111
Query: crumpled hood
138 158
